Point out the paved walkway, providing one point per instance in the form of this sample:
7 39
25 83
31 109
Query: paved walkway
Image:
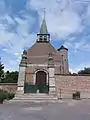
68 110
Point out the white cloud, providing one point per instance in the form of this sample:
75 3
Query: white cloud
79 67
2 7
62 20
59 23
9 19
88 10
5 36
11 65
15 42
79 46
75 70
63 25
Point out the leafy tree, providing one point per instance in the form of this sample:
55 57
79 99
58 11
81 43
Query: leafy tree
7 77
10 77
85 71
1 71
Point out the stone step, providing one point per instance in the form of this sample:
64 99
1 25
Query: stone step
17 98
32 101
34 96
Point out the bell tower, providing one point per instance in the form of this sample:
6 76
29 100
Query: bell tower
43 36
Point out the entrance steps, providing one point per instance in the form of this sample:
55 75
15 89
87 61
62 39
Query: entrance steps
34 98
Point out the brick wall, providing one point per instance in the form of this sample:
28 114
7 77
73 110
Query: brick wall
66 85
10 87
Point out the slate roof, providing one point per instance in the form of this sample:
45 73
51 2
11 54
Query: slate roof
43 29
62 47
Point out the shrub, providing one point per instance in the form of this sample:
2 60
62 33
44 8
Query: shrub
10 96
3 95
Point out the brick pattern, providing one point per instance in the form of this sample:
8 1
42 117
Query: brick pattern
70 84
8 87
65 85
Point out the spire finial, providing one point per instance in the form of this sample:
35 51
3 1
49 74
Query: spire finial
43 29
44 13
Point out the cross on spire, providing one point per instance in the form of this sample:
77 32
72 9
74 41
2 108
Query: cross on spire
44 13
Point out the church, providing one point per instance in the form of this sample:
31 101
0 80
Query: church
41 63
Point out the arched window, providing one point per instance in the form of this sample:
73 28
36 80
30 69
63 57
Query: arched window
45 38
40 38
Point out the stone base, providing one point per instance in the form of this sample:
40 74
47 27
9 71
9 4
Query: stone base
20 90
52 91
40 97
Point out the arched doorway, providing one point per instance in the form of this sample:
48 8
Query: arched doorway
41 77
41 82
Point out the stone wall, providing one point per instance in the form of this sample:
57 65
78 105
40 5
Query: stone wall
10 87
67 85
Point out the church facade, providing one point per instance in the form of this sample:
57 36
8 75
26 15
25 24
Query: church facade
40 64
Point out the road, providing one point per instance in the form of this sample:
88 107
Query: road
68 110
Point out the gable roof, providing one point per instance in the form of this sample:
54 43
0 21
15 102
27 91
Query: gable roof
41 49
38 53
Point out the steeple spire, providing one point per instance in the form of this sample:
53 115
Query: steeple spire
43 29
43 36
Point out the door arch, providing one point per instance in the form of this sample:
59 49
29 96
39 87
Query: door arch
41 78
41 82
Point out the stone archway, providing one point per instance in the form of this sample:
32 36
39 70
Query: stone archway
41 82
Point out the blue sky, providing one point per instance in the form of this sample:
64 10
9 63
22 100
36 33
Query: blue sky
68 22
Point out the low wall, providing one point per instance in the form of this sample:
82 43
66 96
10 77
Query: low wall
10 87
67 85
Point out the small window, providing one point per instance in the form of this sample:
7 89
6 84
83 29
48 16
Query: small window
40 39
45 39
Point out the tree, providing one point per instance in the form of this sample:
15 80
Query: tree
11 77
85 71
1 71
7 77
